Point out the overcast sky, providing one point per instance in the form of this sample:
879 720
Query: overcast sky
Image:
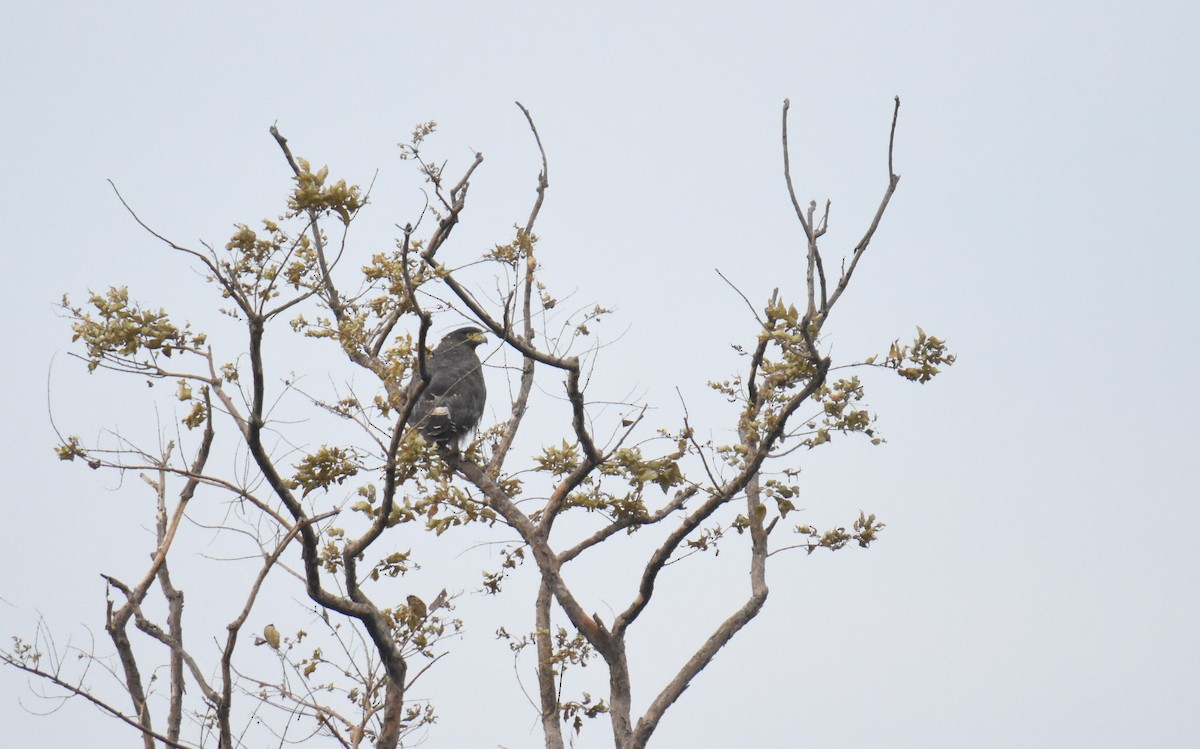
1038 582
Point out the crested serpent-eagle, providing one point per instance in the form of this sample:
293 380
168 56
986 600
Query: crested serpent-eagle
450 405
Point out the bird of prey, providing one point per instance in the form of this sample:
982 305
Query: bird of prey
450 405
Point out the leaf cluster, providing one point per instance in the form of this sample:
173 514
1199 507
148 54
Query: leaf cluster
116 328
864 531
312 196
920 360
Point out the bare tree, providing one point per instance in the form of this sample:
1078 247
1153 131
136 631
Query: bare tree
332 518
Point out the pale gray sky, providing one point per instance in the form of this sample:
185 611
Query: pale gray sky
1037 584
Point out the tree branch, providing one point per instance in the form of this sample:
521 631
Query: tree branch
104 706
548 694
861 247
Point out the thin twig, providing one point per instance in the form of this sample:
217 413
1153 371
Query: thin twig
104 706
743 296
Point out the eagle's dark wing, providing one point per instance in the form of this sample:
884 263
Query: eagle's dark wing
452 403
